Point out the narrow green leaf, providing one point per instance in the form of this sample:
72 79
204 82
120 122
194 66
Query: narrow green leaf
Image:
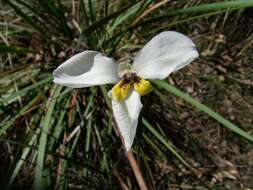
164 142
92 10
6 124
104 20
23 91
12 49
22 159
126 15
27 18
39 181
204 108
228 5
238 4
87 143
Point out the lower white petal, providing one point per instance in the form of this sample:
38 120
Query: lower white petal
167 52
126 114
88 68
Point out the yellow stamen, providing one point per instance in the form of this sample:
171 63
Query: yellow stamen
120 90
143 87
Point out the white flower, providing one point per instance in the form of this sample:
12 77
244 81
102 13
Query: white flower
167 52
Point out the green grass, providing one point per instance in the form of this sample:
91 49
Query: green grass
54 137
204 108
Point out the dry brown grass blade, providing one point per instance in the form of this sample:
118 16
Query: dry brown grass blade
149 10
61 149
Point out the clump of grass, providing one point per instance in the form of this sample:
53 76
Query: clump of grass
59 138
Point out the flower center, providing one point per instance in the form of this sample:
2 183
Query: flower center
130 78
128 82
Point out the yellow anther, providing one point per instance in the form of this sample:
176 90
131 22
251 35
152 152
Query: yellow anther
143 87
120 90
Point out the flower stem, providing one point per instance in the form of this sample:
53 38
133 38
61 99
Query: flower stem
129 154
137 171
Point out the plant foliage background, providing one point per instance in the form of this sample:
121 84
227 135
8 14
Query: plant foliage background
54 137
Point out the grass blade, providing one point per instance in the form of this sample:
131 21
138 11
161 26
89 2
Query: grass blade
22 159
204 108
126 15
39 182
6 124
27 18
13 49
238 4
104 20
22 92
164 142
231 5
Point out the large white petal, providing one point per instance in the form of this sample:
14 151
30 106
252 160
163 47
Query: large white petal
85 69
126 114
167 52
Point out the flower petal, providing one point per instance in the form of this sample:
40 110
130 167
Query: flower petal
126 114
88 68
120 91
143 87
167 52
